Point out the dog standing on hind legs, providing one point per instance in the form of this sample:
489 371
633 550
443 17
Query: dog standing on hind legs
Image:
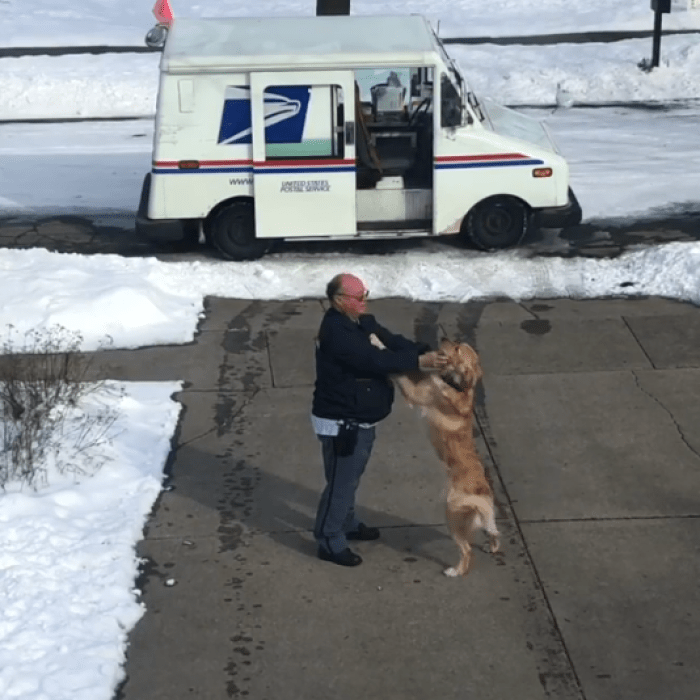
447 399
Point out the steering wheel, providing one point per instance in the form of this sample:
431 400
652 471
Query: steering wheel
425 103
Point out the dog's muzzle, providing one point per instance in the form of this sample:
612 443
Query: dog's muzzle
454 379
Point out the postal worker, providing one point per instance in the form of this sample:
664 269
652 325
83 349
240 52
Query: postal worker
353 392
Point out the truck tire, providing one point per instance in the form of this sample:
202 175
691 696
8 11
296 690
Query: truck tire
497 222
232 232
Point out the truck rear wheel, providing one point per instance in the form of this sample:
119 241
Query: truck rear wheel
232 232
498 222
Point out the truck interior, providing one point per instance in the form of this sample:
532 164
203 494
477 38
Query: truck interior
394 126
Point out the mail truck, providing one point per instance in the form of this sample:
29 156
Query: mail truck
338 127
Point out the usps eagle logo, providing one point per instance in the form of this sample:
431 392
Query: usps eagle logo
285 115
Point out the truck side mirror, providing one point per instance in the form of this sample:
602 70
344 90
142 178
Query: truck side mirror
661 6
450 104
155 39
452 115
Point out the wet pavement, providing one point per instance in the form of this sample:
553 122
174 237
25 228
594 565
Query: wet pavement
587 425
113 233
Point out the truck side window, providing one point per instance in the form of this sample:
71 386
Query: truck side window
304 122
301 121
384 93
450 105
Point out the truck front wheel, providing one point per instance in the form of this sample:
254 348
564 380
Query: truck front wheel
232 232
497 222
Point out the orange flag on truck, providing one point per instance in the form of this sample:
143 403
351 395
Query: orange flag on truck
163 13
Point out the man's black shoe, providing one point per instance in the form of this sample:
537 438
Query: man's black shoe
346 558
363 533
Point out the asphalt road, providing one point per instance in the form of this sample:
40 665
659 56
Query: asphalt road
536 39
113 233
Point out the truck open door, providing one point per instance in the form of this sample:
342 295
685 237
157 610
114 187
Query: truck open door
303 153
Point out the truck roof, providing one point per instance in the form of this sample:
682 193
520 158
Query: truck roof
211 44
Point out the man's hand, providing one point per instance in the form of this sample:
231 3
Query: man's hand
376 342
432 360
428 360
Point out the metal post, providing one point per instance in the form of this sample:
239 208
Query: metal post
656 47
332 7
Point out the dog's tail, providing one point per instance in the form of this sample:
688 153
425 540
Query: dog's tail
485 513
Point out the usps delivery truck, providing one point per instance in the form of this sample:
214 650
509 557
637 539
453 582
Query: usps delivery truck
338 127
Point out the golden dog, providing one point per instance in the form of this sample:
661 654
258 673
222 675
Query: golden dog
447 399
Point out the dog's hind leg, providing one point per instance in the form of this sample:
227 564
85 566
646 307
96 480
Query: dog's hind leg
459 523
489 525
494 542
484 518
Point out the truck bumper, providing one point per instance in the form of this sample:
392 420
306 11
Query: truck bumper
156 229
559 217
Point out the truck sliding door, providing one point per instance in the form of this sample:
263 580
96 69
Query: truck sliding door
303 153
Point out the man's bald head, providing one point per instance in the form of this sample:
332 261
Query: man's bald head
345 283
348 295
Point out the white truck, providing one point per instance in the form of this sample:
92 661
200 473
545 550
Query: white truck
337 127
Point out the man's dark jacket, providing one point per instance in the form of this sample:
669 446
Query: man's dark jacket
351 374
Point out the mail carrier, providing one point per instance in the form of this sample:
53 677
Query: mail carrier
338 127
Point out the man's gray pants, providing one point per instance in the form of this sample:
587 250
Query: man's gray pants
336 511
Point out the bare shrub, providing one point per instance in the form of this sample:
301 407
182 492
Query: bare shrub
50 415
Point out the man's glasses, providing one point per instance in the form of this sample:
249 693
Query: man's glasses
363 297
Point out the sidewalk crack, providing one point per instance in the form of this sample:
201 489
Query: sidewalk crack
528 310
641 347
572 681
268 350
679 430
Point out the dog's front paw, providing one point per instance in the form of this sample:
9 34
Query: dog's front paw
451 572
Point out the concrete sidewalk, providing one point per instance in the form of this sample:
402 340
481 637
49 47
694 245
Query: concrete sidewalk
588 425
